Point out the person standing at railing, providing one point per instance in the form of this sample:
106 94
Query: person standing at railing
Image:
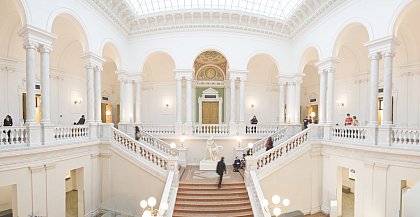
137 134
81 121
254 121
348 121
268 143
355 121
8 122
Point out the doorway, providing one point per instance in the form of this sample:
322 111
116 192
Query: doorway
381 109
210 113
106 113
346 191
312 112
37 107
74 180
8 201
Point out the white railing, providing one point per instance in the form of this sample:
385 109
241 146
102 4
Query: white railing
404 136
155 143
158 128
256 196
169 194
71 132
262 129
140 150
218 129
348 133
276 137
282 149
13 135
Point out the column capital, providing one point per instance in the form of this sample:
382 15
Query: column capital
183 74
33 36
122 75
329 64
381 45
237 73
374 56
44 48
93 59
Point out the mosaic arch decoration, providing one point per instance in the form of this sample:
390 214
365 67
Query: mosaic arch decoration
210 66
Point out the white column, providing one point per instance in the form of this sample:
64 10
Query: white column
232 99
297 102
45 84
281 102
242 100
138 101
387 94
330 96
98 95
178 100
290 102
189 99
122 101
30 82
90 94
374 76
322 96
129 105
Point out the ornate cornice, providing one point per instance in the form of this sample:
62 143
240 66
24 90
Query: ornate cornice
121 14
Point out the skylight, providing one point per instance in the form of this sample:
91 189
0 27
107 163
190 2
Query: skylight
277 9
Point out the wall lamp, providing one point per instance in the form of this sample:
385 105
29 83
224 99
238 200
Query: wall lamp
77 101
340 103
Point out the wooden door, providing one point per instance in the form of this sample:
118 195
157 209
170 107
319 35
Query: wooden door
210 113
103 112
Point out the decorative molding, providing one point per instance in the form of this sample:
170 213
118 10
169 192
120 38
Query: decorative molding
123 16
93 59
384 45
35 36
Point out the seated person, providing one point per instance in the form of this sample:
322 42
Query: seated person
236 164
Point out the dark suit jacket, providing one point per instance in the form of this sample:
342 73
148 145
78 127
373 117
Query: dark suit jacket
7 123
221 168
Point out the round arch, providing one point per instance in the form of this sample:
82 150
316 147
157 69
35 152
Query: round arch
161 62
110 50
267 55
211 49
153 52
75 20
399 15
23 11
310 53
345 28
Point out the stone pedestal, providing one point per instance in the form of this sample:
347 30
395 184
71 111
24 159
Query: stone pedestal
188 128
208 165
384 135
47 133
179 129
34 134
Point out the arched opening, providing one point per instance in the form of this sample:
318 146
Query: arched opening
309 99
352 73
110 85
262 90
68 71
210 70
11 55
406 67
158 95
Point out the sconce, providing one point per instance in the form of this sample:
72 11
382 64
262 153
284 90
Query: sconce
173 147
77 101
252 105
340 103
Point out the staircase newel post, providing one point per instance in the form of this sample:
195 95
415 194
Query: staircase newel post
173 166
250 165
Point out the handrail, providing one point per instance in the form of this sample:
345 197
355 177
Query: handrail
262 128
156 143
349 133
221 129
158 128
139 149
169 194
276 136
285 147
405 136
257 196
71 132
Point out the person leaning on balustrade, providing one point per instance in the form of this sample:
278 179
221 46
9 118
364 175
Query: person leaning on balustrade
8 122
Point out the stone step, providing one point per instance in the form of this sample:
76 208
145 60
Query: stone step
213 198
209 210
238 214
213 193
214 203
210 188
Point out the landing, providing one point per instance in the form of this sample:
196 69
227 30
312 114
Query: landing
192 174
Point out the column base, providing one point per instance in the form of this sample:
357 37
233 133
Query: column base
233 128
93 130
241 128
188 128
179 129
384 135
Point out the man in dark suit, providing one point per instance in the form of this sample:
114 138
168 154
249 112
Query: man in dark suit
236 164
221 168
81 121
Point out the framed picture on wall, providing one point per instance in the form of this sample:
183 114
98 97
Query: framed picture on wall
352 174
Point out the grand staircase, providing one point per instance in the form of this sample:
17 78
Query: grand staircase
205 199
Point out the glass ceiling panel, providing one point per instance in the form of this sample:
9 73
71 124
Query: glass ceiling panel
278 9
